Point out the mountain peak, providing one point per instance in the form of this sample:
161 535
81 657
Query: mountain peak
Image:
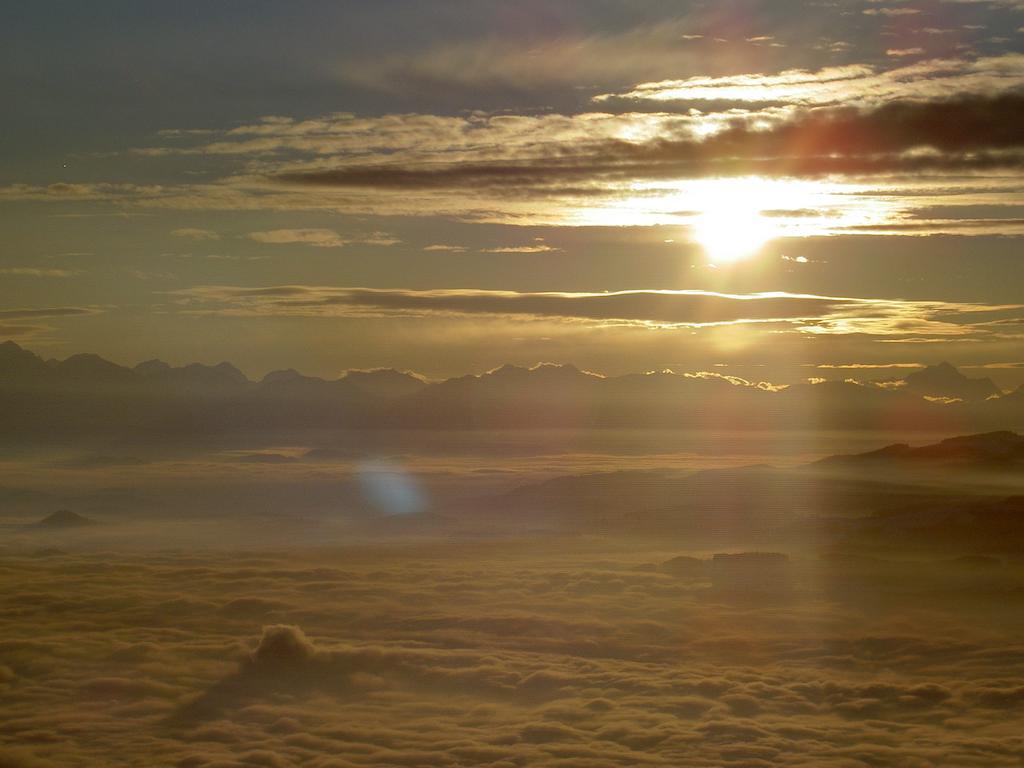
224 370
281 377
12 353
151 367
89 366
64 518
945 380
385 382
942 371
508 369
568 370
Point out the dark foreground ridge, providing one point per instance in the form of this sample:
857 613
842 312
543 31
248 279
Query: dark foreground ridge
964 493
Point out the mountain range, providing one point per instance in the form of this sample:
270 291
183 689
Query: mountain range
85 394
963 492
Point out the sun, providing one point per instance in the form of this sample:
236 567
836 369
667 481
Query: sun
728 235
730 224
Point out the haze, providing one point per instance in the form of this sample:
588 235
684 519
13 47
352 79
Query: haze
450 383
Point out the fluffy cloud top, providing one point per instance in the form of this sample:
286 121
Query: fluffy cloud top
469 654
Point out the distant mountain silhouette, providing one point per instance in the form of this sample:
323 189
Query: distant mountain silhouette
385 382
292 384
991 449
92 371
944 380
63 519
88 397
19 366
895 496
198 378
723 504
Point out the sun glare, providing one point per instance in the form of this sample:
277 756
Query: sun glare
728 235
731 219
730 225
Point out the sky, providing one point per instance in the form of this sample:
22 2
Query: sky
445 187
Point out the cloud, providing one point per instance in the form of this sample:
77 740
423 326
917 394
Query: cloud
997 366
320 238
538 246
1016 5
458 654
414 134
20 330
963 133
144 274
736 381
567 59
18 314
84 192
870 365
447 248
904 11
656 307
934 79
37 272
17 331
196 233
282 645
900 140
806 313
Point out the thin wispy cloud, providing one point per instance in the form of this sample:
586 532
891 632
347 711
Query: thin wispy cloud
320 238
196 233
30 312
892 12
538 246
654 309
568 59
38 272
854 83
442 247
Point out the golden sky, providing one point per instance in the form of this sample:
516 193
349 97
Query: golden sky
450 186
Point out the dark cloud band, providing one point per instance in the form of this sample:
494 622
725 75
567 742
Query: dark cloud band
966 133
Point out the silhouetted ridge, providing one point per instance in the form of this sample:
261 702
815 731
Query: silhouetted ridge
18 365
385 382
88 396
152 367
64 519
90 366
987 448
944 380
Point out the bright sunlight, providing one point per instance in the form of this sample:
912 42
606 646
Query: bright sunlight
731 225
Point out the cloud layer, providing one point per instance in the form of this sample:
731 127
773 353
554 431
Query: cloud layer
804 313
859 84
493 657
885 146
